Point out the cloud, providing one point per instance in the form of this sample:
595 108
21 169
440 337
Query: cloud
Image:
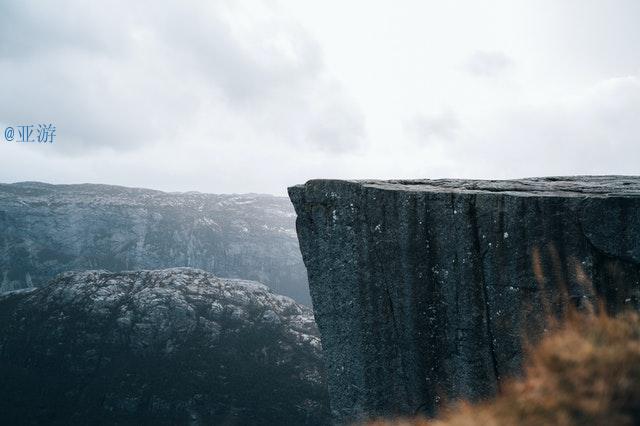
122 75
441 126
592 132
255 95
488 63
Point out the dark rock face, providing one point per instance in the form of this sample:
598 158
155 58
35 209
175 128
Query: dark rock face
423 289
175 346
48 229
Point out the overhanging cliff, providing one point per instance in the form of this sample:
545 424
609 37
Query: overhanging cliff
422 289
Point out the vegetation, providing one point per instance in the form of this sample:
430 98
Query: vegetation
585 371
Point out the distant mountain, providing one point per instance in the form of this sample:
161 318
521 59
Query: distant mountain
47 229
176 346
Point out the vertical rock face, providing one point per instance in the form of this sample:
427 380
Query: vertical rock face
423 289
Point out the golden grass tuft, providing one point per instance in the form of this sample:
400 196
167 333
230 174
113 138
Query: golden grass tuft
586 371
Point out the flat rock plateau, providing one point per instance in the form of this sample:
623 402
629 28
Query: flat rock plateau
423 289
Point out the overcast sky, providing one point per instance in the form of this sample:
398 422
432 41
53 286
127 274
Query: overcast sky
243 96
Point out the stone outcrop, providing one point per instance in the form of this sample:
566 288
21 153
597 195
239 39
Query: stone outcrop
422 290
48 229
176 346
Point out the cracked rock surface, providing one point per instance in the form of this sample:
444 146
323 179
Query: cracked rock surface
423 289
174 346
48 229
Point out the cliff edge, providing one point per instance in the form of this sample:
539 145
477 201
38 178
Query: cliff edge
422 289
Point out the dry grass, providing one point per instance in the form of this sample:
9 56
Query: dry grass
585 372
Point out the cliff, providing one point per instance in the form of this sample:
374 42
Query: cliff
48 229
422 290
176 346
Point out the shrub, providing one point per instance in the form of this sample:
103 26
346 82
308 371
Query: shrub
585 371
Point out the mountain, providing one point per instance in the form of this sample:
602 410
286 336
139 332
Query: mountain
175 346
422 289
48 229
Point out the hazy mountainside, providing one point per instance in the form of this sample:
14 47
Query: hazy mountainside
47 229
175 346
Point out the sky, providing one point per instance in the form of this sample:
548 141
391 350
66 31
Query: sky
233 96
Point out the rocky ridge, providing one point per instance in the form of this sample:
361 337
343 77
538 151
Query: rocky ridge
174 346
